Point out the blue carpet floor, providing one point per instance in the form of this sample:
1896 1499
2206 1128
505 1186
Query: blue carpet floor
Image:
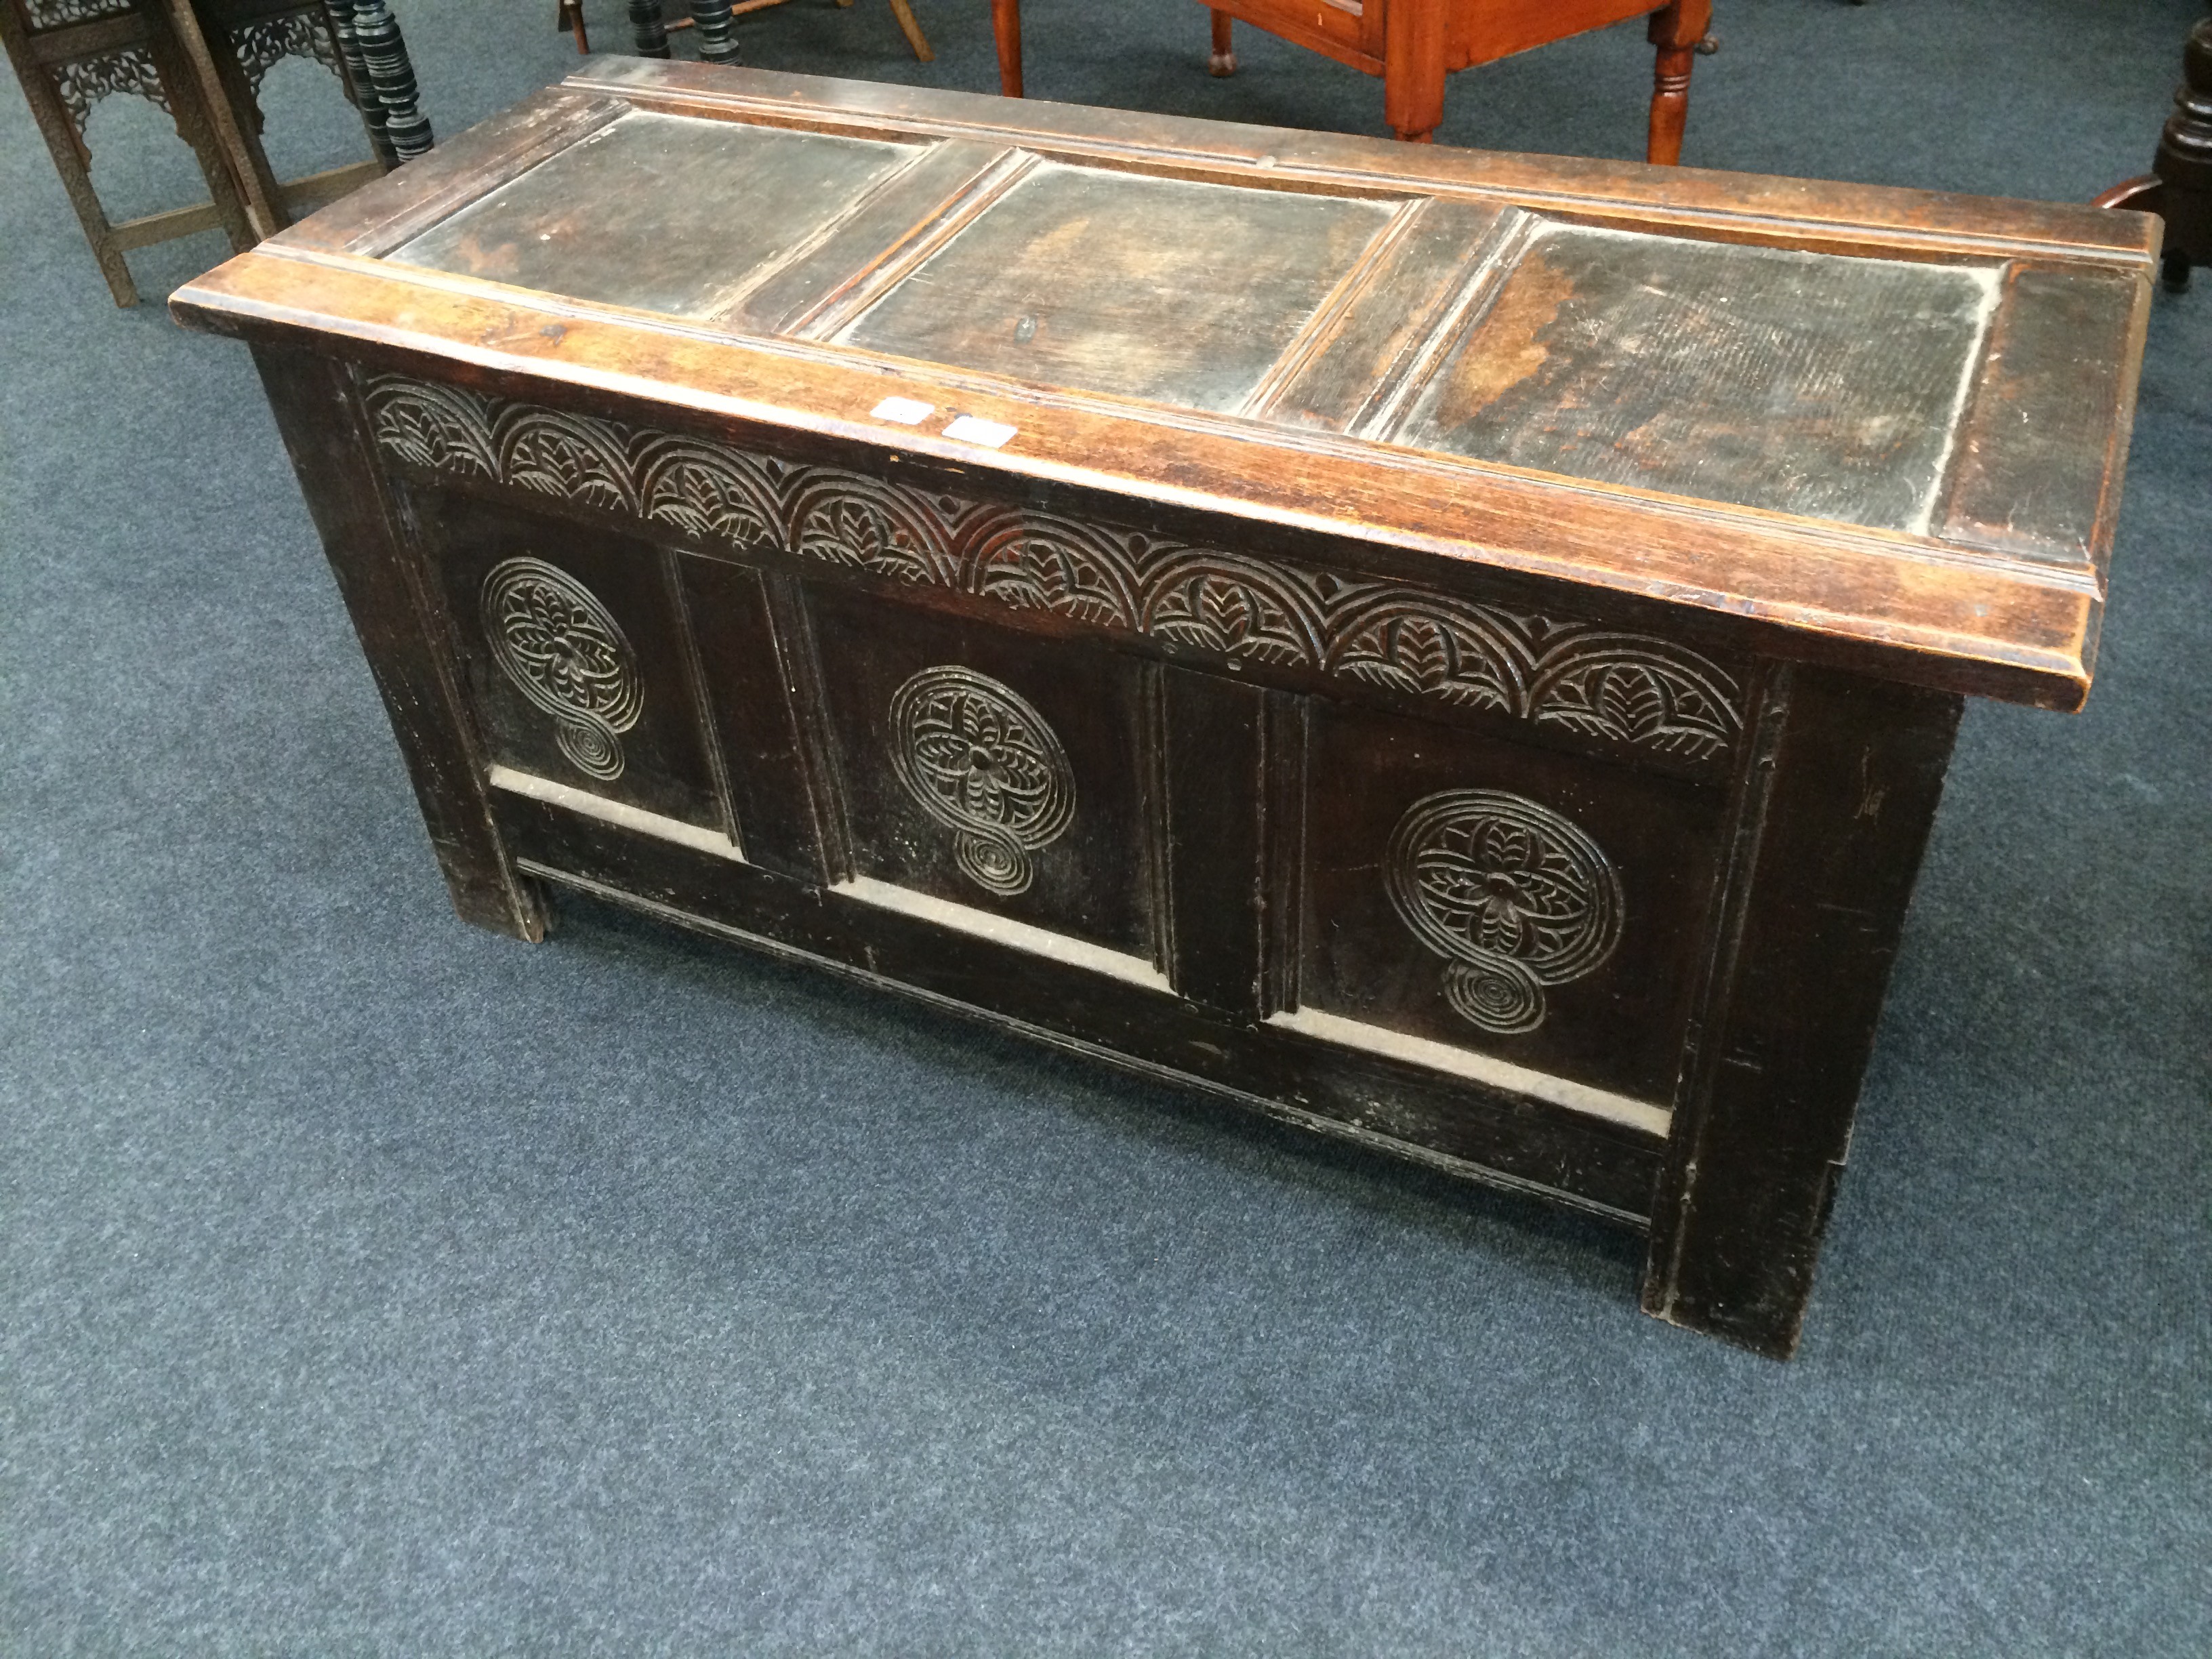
372 1286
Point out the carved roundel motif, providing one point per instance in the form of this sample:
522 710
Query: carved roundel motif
1513 895
983 763
565 653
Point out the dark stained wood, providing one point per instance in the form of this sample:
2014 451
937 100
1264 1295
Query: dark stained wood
1486 1136
1843 783
1214 779
2031 472
618 218
397 613
2178 188
1460 654
1749 379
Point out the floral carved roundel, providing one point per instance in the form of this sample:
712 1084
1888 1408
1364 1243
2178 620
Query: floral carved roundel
563 651
1513 895
982 762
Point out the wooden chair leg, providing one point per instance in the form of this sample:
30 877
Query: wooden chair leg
1006 28
1224 60
1675 32
911 30
392 73
569 15
233 118
2179 189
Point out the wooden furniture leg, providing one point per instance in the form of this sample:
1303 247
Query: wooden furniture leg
569 15
1675 32
1224 60
391 76
904 14
1413 68
392 598
1006 29
2180 188
718 38
230 110
649 29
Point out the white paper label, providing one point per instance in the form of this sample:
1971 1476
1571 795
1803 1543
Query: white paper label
990 434
904 411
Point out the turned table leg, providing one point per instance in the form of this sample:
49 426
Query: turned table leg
717 31
649 29
2178 188
1224 60
1676 32
1006 28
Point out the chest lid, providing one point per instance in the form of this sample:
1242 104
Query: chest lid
1876 427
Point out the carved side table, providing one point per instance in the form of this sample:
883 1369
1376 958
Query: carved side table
203 61
1458 651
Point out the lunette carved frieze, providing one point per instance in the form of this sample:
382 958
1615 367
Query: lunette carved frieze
1626 688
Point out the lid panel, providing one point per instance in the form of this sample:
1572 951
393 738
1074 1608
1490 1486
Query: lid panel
1145 287
1805 383
657 212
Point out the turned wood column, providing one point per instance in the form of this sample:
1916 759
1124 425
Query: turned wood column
2178 188
1676 32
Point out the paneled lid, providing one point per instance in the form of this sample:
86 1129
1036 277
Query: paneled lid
1878 427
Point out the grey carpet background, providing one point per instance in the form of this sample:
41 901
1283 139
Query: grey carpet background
369 1284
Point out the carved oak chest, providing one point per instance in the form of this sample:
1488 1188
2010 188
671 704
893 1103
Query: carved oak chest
1459 651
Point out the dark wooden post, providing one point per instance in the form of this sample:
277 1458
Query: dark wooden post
396 611
391 76
718 36
1839 785
649 29
2178 188
1223 59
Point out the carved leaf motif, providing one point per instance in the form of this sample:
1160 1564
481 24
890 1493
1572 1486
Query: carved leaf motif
1645 692
576 460
708 492
1617 687
433 427
1217 604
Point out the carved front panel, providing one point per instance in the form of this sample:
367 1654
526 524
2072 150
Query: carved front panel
575 659
992 769
1529 891
1537 907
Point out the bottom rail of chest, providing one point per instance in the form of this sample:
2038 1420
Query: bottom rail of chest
1429 1109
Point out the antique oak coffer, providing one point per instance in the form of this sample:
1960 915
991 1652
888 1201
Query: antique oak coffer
1459 650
